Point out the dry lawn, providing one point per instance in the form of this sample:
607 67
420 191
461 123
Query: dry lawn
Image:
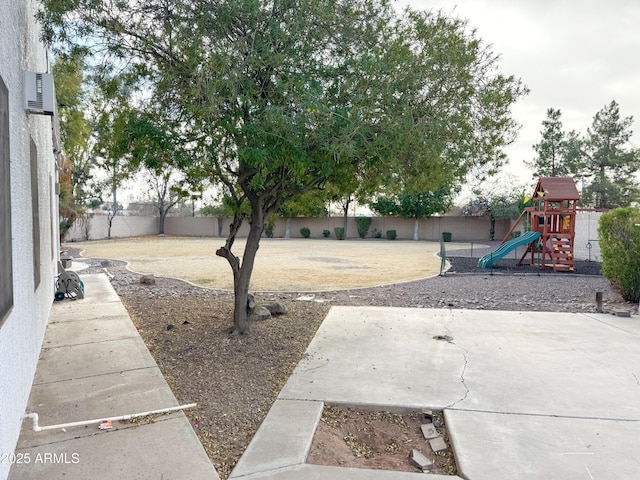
281 265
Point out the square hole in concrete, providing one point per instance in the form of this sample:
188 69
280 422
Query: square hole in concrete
379 440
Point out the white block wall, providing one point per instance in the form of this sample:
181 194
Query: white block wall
97 227
21 334
587 234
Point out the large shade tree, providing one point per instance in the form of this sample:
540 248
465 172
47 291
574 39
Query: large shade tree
280 97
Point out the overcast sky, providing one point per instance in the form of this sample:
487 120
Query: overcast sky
575 55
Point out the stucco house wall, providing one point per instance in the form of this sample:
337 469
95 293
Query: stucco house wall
23 321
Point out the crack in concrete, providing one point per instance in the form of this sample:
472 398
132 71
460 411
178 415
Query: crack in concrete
462 379
449 339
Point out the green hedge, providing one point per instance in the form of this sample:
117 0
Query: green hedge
363 224
619 232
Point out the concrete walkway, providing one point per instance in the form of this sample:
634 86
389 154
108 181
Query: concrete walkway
94 364
526 395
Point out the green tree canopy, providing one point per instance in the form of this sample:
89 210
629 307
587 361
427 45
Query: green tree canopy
606 161
602 159
552 148
415 205
501 200
281 97
75 133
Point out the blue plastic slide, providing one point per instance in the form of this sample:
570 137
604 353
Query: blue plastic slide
511 245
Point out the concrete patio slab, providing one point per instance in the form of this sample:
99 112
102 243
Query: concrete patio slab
518 362
525 394
490 446
380 357
74 310
629 324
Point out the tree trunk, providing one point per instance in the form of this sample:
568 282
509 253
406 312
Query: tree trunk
161 219
345 208
241 285
415 230
109 222
114 207
242 271
492 232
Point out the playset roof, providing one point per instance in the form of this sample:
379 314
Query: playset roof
557 189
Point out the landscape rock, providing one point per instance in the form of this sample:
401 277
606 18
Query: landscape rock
419 460
147 280
251 302
260 313
276 308
306 298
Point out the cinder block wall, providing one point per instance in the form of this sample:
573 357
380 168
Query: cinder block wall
463 229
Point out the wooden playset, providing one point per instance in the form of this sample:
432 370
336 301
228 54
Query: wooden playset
553 214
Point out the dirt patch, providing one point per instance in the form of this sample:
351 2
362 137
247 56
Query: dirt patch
301 264
376 440
233 381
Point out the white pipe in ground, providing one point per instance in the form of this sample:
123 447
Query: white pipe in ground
38 428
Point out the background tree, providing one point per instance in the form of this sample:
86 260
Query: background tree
606 162
505 199
311 204
552 148
222 207
163 160
415 205
602 160
112 150
281 98
74 132
168 188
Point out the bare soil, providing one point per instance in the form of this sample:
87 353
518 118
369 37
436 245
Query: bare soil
376 440
235 381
